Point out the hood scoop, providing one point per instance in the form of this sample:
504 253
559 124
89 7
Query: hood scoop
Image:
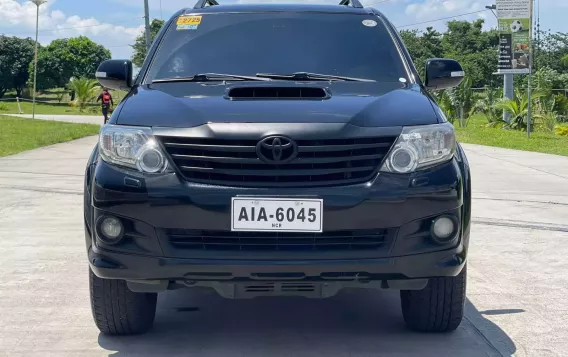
277 93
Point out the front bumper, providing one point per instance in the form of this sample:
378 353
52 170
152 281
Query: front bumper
113 265
153 206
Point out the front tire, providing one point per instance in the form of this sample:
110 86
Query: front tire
119 311
439 307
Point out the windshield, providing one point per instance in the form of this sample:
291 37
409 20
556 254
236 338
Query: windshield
281 43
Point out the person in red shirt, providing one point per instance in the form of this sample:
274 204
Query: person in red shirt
106 103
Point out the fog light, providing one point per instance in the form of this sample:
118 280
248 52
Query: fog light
444 229
111 230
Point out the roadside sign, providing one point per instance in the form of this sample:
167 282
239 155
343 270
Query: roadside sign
515 29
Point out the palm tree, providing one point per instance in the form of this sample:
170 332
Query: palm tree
444 102
518 108
85 90
457 103
462 99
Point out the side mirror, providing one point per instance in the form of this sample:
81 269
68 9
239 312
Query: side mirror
443 73
115 74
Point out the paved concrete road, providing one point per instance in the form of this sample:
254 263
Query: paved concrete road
82 119
518 278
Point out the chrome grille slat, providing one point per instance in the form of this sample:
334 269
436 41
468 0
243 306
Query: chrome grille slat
233 148
268 172
328 148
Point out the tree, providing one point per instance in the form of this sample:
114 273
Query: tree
413 44
474 48
54 69
544 79
15 55
432 42
564 61
421 48
140 44
66 58
85 90
86 56
464 41
550 50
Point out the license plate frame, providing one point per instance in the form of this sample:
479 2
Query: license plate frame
272 224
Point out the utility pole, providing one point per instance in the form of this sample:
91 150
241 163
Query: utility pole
38 4
508 79
508 92
147 20
531 46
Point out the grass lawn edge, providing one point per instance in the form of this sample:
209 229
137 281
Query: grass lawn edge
477 132
20 134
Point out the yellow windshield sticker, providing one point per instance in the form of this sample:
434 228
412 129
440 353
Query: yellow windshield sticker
188 22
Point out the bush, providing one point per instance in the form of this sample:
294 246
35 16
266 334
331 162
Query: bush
561 104
562 130
545 79
486 105
547 121
4 107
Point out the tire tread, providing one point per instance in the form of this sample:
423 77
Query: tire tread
119 311
437 308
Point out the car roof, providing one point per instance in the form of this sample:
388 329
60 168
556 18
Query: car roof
240 8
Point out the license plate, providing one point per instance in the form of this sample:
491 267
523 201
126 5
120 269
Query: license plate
276 214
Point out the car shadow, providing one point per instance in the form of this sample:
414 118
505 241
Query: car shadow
353 323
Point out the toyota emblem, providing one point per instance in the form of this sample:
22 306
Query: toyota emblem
277 150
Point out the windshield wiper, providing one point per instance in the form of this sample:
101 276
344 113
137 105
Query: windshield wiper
210 77
306 76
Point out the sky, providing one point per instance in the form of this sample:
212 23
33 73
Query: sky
116 23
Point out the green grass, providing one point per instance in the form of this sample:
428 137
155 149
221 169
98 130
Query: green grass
8 104
51 108
477 132
17 135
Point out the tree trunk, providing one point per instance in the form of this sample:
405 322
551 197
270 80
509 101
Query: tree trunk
19 92
3 91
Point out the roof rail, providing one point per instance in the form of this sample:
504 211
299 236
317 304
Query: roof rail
203 3
354 3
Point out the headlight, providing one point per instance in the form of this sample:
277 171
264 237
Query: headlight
421 146
133 147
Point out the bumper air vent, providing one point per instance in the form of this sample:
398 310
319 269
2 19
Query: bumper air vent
275 241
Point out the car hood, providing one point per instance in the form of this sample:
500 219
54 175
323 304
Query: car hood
179 105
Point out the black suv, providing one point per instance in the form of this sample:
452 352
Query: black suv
267 150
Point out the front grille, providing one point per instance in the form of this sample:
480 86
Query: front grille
329 162
277 241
